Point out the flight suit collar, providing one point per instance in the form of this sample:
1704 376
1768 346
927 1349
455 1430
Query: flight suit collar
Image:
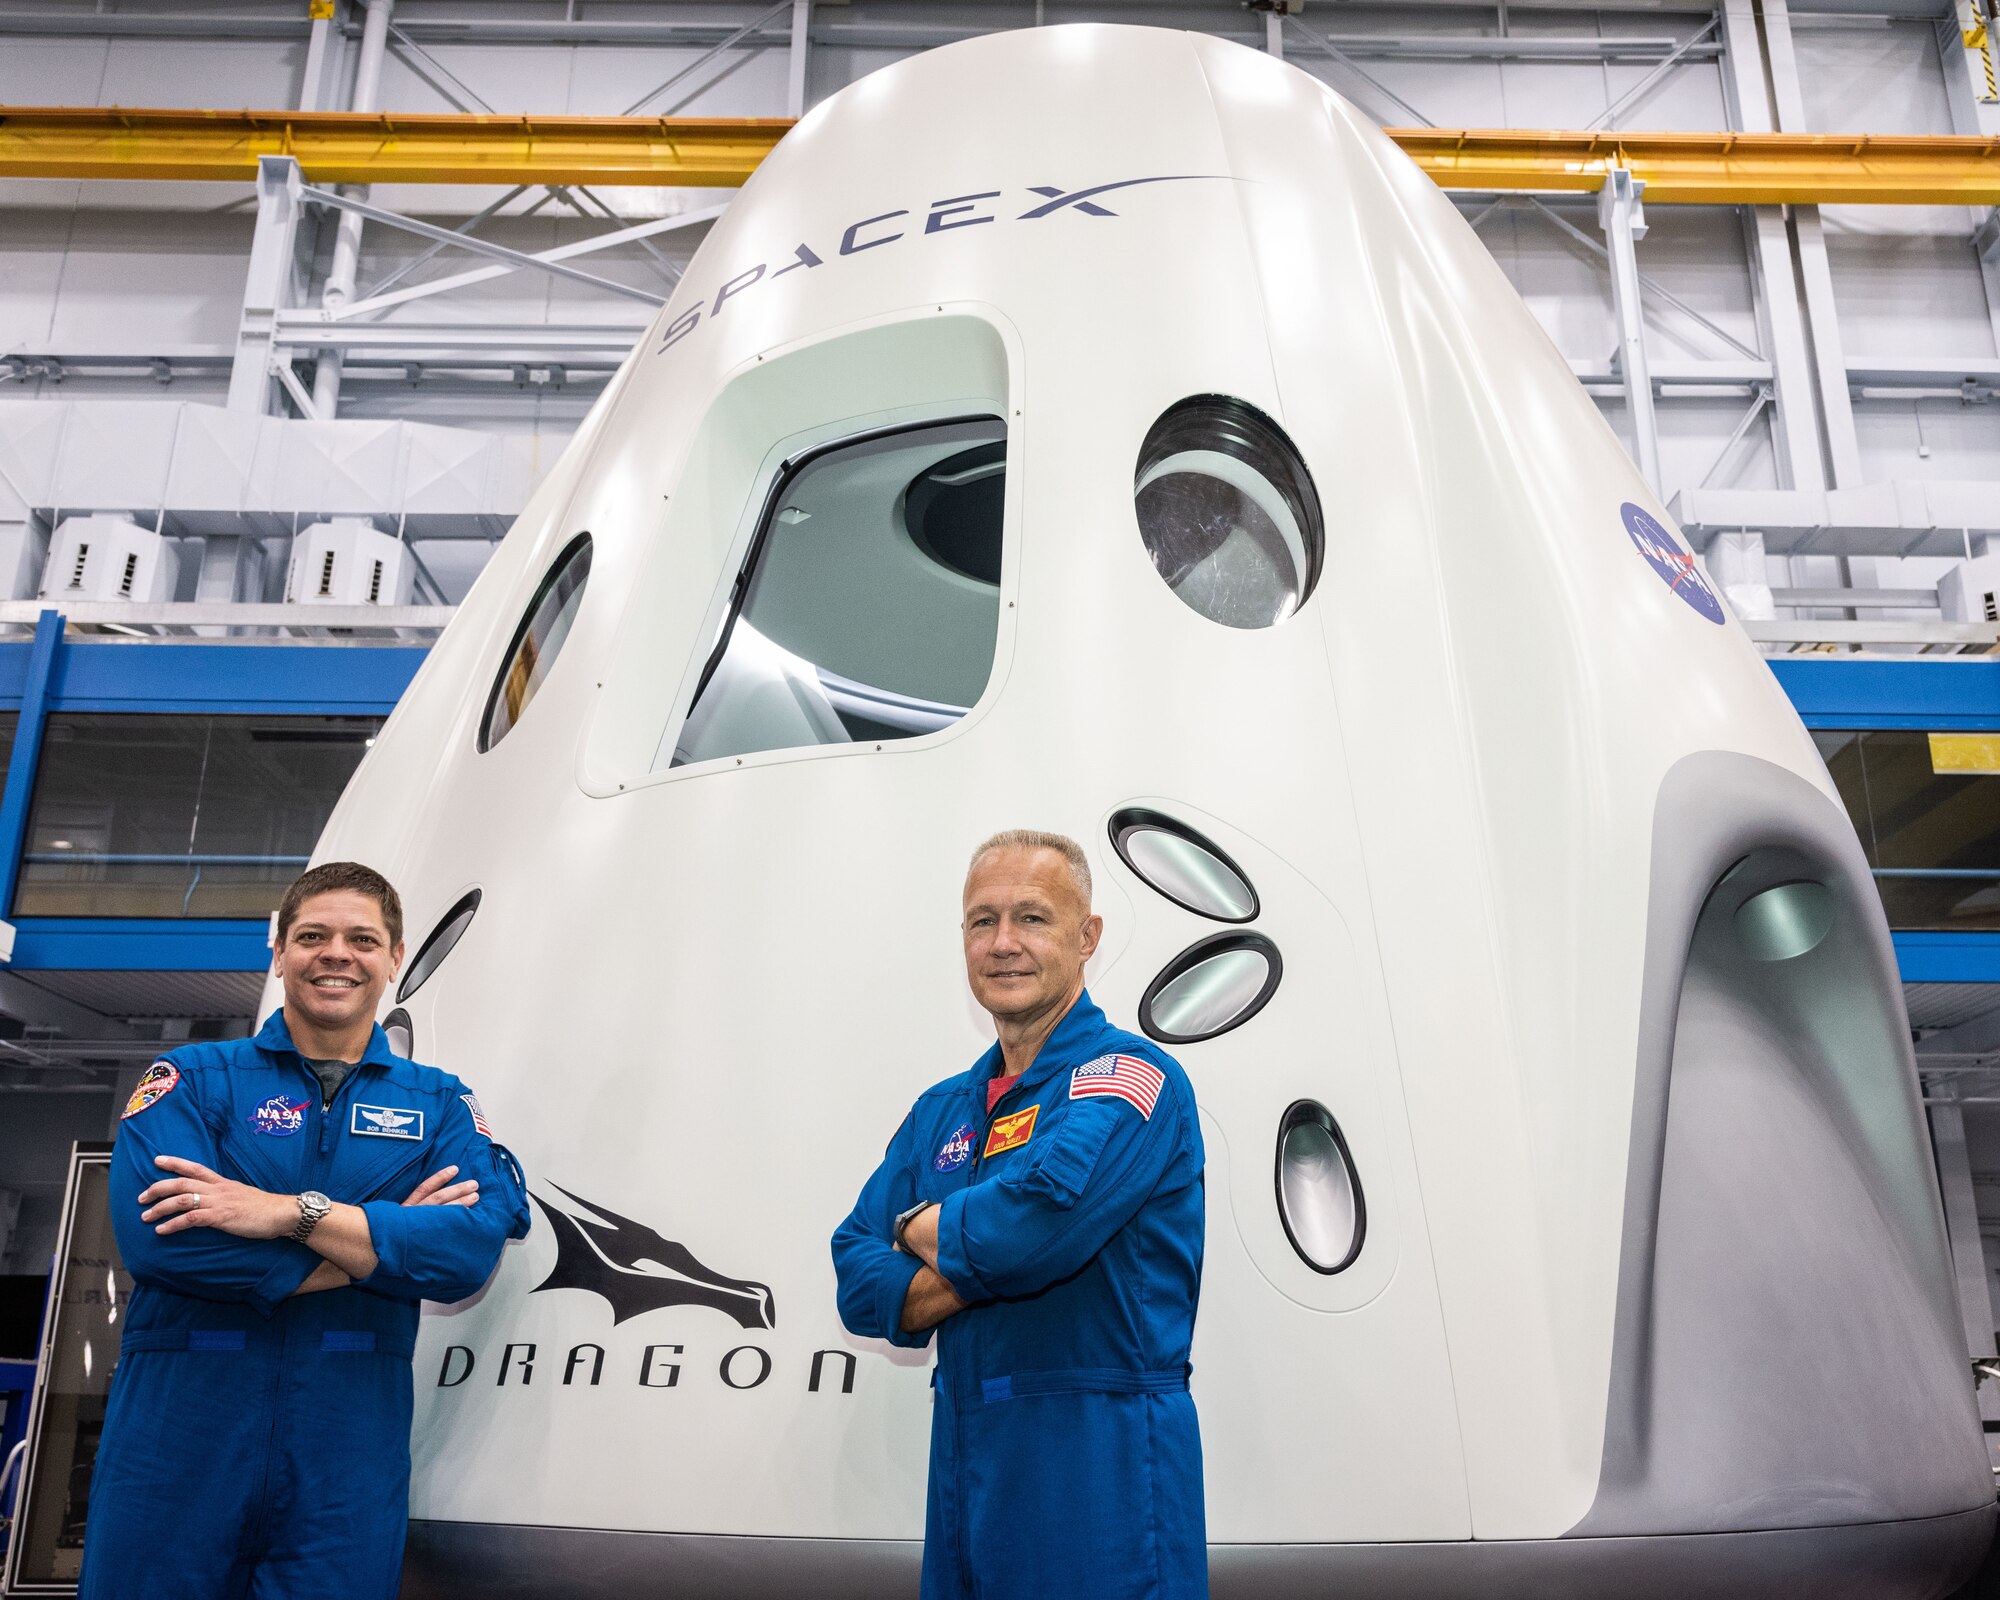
277 1038
1068 1046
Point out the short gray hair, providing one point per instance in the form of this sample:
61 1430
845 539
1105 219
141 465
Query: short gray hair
1036 839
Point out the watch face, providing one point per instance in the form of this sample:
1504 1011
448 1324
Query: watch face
316 1200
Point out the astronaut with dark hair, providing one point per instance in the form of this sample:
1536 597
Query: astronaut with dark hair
1043 1213
283 1203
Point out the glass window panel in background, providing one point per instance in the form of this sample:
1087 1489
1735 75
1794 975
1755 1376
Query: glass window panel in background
146 815
1929 821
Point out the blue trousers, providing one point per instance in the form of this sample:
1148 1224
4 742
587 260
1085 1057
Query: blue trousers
242 1463
1071 1496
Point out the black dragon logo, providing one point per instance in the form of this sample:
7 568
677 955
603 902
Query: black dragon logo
635 1270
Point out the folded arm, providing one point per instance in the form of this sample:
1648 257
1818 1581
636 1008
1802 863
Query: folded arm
1015 1235
259 1271
446 1253
886 1293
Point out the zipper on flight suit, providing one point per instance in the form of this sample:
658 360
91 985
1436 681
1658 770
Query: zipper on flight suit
992 1112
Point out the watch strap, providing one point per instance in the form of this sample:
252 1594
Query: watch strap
310 1217
905 1218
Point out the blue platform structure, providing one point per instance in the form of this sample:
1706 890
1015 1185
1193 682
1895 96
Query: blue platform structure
53 673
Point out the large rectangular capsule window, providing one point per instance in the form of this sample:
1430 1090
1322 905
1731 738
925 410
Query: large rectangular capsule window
870 602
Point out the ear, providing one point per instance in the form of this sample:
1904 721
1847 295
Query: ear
1093 930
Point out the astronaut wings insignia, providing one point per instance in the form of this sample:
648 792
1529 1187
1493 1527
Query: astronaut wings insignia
635 1270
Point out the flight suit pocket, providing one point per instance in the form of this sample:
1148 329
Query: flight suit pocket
1061 1169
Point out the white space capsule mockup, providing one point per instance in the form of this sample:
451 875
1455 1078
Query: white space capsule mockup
1107 429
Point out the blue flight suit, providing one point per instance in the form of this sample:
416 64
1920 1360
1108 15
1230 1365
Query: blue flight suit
255 1444
1065 1454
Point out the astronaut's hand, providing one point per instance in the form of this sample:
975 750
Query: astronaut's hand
439 1190
198 1198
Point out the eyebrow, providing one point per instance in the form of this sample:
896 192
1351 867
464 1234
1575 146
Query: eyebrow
1027 903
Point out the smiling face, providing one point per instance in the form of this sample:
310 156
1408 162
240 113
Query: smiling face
335 960
1028 932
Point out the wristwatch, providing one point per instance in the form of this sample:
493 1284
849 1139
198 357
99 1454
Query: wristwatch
905 1218
312 1207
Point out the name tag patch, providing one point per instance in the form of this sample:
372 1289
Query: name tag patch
386 1122
1011 1131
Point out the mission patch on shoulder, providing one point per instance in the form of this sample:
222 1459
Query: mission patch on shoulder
159 1079
1011 1131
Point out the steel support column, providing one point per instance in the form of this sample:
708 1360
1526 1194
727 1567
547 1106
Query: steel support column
800 58
320 43
339 287
267 288
1622 216
1780 323
1788 115
1961 1222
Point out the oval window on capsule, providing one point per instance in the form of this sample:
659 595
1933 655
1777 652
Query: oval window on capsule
1212 986
1228 512
537 641
439 944
1188 869
1319 1196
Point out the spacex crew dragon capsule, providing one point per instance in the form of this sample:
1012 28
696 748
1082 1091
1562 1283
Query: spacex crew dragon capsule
1107 429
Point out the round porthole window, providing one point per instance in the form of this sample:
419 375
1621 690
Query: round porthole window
431 953
537 641
1319 1196
1228 512
1211 987
402 1033
1188 869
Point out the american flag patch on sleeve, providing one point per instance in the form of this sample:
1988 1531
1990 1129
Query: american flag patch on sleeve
1128 1077
478 1116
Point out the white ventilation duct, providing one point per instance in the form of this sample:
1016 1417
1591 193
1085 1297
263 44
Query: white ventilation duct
1970 592
104 557
347 562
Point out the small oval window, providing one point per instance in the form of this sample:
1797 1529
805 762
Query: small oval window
1211 987
1786 921
1228 512
1319 1196
1183 866
537 641
402 1033
431 953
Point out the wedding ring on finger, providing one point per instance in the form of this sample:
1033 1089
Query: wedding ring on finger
194 1200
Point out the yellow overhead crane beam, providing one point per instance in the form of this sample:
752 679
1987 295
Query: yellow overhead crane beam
392 147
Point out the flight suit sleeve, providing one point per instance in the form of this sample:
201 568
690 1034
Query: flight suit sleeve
203 1262
446 1253
1042 1221
873 1275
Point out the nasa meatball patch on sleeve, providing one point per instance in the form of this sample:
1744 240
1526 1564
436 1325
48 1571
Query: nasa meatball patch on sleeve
386 1122
159 1080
